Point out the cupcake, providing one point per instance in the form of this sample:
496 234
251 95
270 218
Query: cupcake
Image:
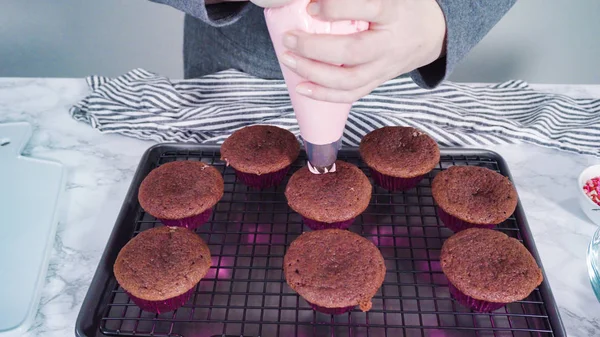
399 157
160 267
471 196
331 200
181 193
334 270
486 269
261 155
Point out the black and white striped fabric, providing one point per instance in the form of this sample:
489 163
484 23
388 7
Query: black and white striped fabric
206 110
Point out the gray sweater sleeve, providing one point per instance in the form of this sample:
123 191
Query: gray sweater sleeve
467 22
218 15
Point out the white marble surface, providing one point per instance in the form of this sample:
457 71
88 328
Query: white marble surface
101 166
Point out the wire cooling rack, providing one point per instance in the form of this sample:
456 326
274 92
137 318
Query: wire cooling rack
245 293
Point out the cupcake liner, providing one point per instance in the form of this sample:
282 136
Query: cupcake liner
191 222
395 183
162 306
262 180
456 224
331 311
474 304
316 225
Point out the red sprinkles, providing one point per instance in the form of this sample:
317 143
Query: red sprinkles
592 189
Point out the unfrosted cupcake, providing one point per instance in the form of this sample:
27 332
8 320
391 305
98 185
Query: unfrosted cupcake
472 196
331 200
486 269
399 157
181 193
160 267
261 155
334 270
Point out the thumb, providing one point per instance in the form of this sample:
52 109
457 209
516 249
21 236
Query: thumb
270 3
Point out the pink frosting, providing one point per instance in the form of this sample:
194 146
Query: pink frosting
320 122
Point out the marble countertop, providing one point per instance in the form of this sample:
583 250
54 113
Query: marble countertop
101 166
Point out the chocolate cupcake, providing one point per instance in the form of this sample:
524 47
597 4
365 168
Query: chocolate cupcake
334 270
160 267
486 269
261 155
399 157
331 200
471 196
181 193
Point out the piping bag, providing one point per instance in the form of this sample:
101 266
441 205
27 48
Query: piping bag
321 123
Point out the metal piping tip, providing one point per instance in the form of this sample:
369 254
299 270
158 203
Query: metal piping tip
321 158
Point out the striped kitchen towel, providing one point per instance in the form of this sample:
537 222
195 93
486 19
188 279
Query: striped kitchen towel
206 110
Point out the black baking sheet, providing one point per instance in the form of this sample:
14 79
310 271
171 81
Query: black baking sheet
245 293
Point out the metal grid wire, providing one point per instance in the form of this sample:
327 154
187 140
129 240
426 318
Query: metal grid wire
245 293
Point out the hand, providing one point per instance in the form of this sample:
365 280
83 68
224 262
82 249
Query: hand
403 35
270 3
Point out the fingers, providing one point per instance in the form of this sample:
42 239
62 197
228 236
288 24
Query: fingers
352 49
335 10
331 76
320 93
